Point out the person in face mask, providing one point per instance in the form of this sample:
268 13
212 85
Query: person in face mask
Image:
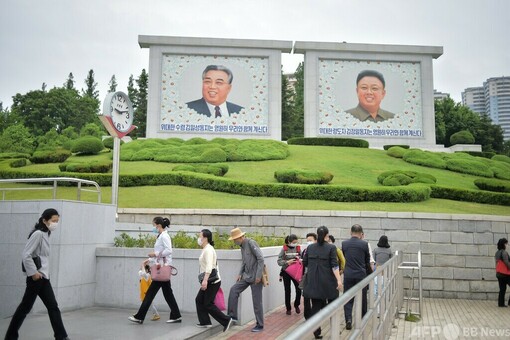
250 275
289 255
205 298
36 267
163 252
311 238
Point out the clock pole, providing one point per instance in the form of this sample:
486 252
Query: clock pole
115 170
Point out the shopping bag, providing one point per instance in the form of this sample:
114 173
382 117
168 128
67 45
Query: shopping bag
502 268
295 270
219 300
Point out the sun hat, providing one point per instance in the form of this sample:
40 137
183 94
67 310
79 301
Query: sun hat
235 234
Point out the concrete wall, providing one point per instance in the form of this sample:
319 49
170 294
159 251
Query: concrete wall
458 250
118 284
83 227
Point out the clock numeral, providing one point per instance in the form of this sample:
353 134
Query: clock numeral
118 126
127 115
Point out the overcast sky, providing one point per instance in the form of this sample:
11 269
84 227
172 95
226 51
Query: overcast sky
42 41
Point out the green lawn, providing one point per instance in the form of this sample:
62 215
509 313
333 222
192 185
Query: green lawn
350 166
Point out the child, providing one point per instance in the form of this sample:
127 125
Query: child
145 282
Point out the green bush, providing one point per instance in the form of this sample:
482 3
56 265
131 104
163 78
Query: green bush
477 196
143 241
50 156
92 167
492 185
425 158
214 155
303 176
501 169
212 169
484 154
87 145
18 163
400 177
501 158
471 167
352 142
396 151
256 150
462 137
108 143
403 146
196 140
8 155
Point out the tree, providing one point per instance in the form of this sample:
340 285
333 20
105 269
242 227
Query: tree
140 119
288 113
299 102
112 84
132 91
17 138
69 83
92 129
91 85
43 87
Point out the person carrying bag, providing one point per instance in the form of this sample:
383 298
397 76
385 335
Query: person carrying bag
502 270
292 271
162 250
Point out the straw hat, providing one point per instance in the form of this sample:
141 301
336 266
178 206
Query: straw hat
235 234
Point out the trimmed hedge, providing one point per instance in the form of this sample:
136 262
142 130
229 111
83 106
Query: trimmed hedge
18 163
212 169
484 154
303 176
492 185
467 166
396 151
108 143
7 155
92 167
411 193
403 146
87 145
400 177
50 156
425 158
462 137
501 158
477 196
351 142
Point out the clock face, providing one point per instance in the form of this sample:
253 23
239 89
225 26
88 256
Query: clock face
121 112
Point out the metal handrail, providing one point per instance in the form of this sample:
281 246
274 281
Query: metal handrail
382 310
55 180
418 266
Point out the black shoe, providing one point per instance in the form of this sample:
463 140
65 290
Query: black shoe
348 325
257 329
318 336
289 312
230 322
502 306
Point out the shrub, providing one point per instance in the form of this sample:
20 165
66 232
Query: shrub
50 156
352 142
484 197
256 150
484 154
396 151
7 155
501 169
18 163
87 145
400 177
389 146
212 169
501 158
462 137
108 143
303 176
92 167
492 185
424 158
214 155
471 167
196 140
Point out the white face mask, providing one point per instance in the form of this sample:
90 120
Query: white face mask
309 242
199 241
53 226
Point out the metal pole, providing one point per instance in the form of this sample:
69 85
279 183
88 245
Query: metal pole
115 170
78 194
54 189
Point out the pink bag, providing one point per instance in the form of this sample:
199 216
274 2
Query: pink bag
219 300
162 272
295 271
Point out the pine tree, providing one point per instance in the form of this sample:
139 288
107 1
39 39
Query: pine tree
140 119
69 83
91 86
132 91
112 84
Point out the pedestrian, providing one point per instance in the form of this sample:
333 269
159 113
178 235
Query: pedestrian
372 261
162 255
210 284
36 265
323 281
307 302
285 241
289 255
144 275
383 251
502 270
357 263
339 254
250 275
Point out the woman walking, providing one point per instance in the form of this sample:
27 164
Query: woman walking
36 267
289 255
323 281
502 270
162 252
210 284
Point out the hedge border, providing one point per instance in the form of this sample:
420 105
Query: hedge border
350 142
476 196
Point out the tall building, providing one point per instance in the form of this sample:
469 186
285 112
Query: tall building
497 102
440 95
474 98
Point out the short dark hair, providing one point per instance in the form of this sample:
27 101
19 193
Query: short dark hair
314 235
162 221
208 235
322 231
218 68
383 242
292 237
356 228
371 73
501 243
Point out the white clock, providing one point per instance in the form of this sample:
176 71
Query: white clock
117 114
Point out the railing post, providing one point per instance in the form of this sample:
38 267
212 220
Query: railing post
335 326
78 194
54 189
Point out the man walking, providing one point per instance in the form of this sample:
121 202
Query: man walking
357 258
249 275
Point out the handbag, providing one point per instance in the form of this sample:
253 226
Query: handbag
295 270
502 268
219 300
162 272
213 277
265 277
37 262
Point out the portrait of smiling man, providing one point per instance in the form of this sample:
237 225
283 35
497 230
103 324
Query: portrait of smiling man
216 85
370 87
